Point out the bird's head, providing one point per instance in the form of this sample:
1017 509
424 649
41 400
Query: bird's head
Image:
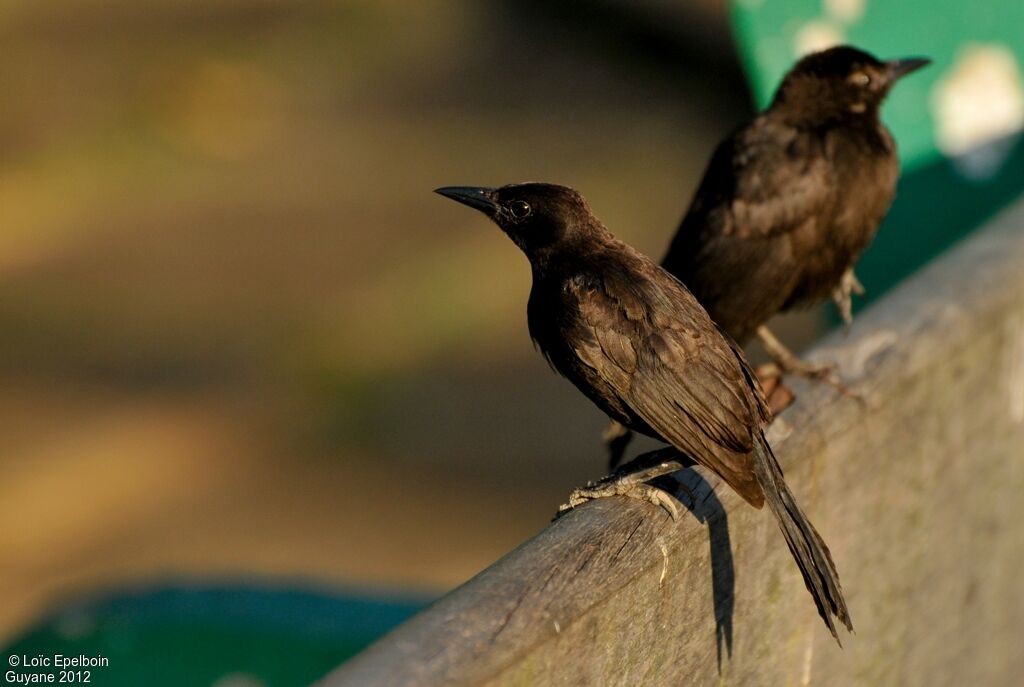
539 218
840 83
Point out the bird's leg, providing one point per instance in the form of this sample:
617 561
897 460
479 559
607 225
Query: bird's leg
788 362
631 483
616 438
848 284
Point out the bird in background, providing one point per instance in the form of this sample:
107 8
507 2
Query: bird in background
638 344
789 202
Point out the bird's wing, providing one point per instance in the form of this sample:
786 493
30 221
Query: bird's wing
765 180
668 364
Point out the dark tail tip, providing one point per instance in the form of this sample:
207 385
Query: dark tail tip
808 548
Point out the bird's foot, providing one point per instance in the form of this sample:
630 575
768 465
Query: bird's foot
616 437
630 484
848 284
788 363
645 492
821 372
797 367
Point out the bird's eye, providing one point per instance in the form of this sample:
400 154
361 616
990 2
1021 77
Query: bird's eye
860 79
519 209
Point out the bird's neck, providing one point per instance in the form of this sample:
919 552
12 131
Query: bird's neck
564 256
824 120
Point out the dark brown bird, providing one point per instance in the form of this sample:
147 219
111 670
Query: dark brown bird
790 201
638 344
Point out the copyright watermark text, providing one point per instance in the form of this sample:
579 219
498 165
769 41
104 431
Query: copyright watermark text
36 669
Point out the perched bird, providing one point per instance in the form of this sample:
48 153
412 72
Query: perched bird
637 343
789 202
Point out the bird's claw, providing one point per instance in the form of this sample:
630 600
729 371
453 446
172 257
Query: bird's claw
787 362
826 372
631 484
645 492
821 372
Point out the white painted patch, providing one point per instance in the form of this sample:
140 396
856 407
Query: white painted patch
978 107
816 35
1015 365
846 11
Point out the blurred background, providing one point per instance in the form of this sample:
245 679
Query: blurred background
262 394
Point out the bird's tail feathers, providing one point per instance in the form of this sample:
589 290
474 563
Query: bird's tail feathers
811 554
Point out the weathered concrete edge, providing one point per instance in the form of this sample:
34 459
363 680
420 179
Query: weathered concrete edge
606 549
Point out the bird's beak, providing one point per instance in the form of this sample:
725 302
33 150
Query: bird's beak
902 67
478 197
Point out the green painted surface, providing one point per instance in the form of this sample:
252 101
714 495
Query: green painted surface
957 123
223 637
771 34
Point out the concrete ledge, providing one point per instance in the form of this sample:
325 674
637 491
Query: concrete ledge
919 493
